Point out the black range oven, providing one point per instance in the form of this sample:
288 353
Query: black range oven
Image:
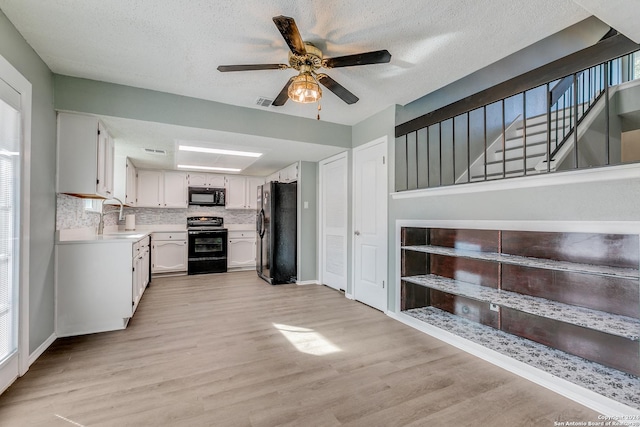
207 245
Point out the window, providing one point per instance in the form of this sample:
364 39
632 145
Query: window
9 218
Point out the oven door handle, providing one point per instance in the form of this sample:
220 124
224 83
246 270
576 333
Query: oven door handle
261 229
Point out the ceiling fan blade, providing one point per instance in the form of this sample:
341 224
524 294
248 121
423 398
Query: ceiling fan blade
376 57
336 88
252 67
283 96
289 31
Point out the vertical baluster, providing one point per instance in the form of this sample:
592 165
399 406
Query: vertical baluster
484 124
575 125
417 162
453 146
504 144
607 72
406 158
468 144
428 161
524 131
549 128
440 152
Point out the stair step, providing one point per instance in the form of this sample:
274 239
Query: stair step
518 172
537 158
519 147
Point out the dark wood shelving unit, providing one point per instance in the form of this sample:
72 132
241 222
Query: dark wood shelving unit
576 292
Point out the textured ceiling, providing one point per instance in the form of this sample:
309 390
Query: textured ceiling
175 45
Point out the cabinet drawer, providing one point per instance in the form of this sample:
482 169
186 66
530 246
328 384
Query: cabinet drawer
239 234
180 235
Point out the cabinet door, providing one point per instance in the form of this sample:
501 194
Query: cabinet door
252 191
149 190
104 166
169 256
175 189
289 174
130 184
236 189
241 253
216 181
197 179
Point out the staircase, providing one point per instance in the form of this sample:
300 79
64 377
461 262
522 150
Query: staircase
523 141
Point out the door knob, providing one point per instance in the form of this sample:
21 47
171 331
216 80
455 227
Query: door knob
357 233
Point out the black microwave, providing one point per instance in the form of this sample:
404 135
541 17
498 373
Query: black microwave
205 196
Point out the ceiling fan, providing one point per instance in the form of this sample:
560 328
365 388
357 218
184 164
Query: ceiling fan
307 59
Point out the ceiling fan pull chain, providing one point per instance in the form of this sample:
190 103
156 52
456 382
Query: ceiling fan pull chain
319 108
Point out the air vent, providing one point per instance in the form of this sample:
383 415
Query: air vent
155 151
264 102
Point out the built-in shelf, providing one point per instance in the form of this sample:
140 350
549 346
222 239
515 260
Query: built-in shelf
608 382
572 291
613 324
547 264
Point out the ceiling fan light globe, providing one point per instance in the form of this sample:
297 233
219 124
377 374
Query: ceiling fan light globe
304 89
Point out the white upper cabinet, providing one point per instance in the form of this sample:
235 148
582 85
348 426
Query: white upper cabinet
241 191
162 189
198 179
290 173
125 180
175 189
235 186
85 157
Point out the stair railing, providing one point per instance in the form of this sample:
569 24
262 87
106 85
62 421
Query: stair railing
570 100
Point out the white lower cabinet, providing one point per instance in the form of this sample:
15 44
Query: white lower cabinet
99 284
141 270
169 252
241 250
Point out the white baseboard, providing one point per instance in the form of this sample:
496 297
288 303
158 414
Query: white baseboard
349 296
307 282
41 349
583 396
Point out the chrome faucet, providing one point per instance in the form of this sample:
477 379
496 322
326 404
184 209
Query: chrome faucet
102 213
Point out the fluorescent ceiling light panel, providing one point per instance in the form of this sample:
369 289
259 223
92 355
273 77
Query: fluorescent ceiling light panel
218 151
209 168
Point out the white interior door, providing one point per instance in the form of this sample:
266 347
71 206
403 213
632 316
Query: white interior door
370 224
333 211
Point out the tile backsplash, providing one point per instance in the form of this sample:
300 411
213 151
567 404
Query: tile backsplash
71 214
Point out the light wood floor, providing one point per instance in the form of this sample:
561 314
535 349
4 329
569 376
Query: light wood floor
211 350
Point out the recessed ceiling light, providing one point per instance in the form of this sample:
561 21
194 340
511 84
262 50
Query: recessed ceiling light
218 151
209 168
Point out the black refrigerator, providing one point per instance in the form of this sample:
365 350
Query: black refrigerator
276 225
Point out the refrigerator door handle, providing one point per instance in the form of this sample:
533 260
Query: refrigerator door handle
261 222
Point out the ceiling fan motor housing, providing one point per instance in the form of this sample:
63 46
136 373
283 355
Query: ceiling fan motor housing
311 61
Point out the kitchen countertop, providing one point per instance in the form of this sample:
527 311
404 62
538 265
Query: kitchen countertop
119 234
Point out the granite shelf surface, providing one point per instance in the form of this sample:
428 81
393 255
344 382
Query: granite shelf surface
547 264
616 385
623 326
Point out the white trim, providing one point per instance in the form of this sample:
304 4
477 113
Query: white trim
9 373
307 282
608 173
14 78
343 155
41 349
381 140
619 227
349 296
588 398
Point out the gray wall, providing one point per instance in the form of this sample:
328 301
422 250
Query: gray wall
90 96
308 233
43 167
